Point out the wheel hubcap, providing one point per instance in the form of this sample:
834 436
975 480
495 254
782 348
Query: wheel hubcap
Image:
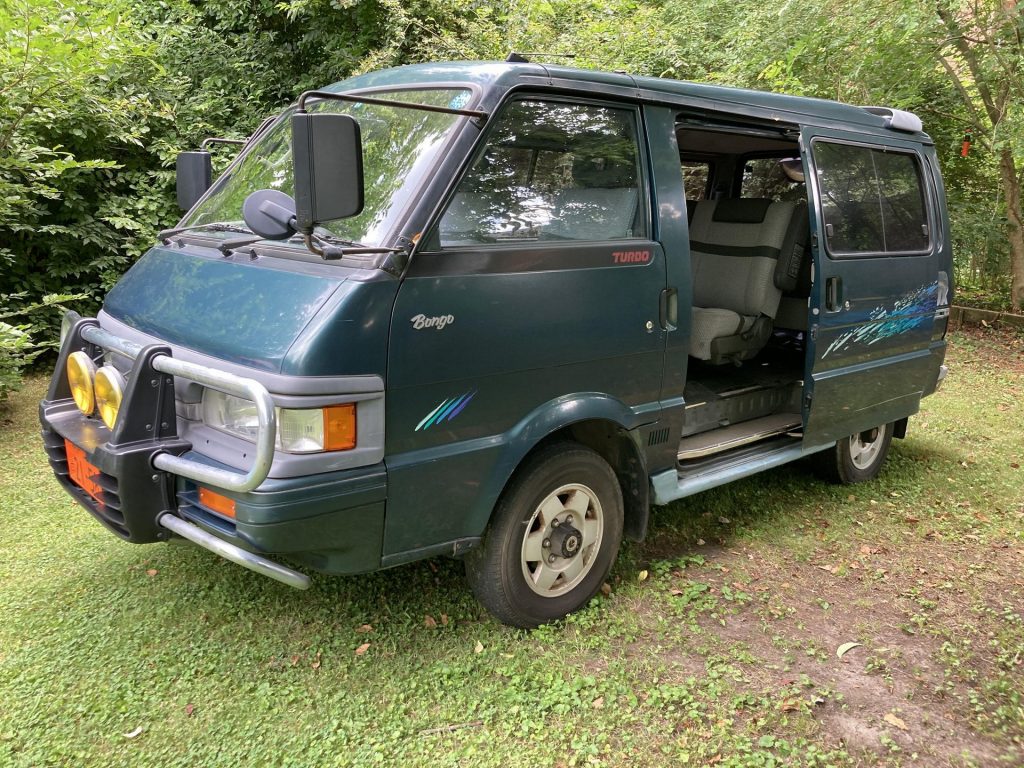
865 446
562 540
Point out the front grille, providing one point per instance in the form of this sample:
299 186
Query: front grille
110 510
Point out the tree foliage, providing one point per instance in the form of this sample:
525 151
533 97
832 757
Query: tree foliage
96 97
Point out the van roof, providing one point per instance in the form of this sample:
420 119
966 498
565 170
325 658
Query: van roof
503 75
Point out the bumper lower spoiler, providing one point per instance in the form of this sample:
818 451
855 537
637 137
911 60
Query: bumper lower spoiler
228 551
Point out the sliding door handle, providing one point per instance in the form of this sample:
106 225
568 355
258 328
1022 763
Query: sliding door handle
834 294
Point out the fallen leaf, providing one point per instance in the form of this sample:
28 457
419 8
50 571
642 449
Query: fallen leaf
364 629
790 705
295 660
316 662
700 542
606 589
844 648
724 520
479 647
362 649
891 719
428 622
675 592
598 703
444 619
152 572
189 709
133 734
642 576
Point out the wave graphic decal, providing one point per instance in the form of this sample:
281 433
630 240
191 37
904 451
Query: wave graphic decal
446 410
911 310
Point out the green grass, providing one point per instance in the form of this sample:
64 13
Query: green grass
722 653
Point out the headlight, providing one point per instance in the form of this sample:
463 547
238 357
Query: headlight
109 393
81 371
299 430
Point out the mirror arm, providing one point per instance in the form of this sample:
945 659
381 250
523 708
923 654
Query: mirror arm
331 96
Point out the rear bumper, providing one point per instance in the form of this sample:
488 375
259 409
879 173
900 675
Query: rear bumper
332 522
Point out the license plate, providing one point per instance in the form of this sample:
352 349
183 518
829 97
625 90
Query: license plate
82 472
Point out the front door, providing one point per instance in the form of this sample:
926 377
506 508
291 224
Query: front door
875 228
540 281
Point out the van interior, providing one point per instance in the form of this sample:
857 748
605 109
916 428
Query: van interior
751 270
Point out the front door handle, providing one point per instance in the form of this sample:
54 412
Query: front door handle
834 294
668 309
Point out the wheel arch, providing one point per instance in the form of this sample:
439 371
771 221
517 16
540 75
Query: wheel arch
600 422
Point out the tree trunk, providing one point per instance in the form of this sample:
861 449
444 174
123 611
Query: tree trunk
1012 192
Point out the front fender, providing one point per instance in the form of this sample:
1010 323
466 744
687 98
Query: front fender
540 423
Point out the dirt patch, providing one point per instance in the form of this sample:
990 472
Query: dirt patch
892 694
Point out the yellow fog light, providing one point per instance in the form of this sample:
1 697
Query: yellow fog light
109 393
81 370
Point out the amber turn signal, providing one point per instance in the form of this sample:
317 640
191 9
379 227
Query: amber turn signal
340 427
222 505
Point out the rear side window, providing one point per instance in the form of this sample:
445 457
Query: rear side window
551 171
872 200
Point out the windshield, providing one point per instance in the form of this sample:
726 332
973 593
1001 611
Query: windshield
399 147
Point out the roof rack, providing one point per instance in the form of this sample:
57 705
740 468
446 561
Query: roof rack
897 119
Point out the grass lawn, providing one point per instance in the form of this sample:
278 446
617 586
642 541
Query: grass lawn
716 643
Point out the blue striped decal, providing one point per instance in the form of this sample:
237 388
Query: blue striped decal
446 410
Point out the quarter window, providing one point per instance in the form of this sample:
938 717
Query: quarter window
551 171
872 200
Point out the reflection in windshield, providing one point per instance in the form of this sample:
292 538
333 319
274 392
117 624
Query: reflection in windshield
399 146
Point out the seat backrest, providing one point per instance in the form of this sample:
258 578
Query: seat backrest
734 248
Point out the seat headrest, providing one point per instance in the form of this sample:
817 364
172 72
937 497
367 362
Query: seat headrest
744 210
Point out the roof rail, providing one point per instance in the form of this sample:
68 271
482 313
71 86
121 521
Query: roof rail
897 119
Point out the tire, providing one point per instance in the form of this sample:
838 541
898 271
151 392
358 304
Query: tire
512 572
857 458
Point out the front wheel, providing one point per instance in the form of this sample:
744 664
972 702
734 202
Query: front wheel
858 457
554 536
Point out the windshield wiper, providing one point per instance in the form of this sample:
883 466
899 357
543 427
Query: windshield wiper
214 227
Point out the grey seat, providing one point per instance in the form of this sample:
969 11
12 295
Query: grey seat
744 254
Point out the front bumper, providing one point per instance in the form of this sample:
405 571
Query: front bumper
146 489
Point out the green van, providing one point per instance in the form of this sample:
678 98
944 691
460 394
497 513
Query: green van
499 310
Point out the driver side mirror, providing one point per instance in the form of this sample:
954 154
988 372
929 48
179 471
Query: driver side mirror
327 152
194 177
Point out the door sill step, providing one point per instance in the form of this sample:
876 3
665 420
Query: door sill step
736 435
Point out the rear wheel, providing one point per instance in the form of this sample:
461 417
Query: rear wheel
553 538
858 457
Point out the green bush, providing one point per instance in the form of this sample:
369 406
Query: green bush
20 330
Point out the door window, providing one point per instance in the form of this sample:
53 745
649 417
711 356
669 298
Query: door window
872 200
551 171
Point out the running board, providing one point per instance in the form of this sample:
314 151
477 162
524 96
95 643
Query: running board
670 485
727 438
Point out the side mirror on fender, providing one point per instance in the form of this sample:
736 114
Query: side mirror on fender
194 177
327 152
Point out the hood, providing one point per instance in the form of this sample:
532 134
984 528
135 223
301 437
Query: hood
269 314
